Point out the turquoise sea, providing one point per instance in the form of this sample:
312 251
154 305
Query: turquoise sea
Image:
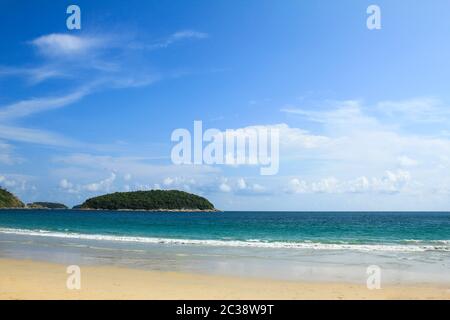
411 246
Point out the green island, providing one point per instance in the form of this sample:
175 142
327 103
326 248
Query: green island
46 205
153 200
8 200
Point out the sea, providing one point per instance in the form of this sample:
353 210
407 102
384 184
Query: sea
407 247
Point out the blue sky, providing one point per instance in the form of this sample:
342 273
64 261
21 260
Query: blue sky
363 114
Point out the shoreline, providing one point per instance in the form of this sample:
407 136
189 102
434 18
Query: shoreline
115 210
145 210
27 279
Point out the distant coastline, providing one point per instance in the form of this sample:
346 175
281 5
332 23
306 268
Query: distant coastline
145 210
148 201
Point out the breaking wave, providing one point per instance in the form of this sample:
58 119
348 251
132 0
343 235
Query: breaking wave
406 246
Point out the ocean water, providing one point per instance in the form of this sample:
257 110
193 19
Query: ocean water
329 246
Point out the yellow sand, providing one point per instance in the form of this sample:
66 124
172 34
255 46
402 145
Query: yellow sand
23 279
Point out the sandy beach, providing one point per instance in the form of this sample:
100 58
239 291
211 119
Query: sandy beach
25 279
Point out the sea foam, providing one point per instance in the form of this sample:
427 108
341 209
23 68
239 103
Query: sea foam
418 246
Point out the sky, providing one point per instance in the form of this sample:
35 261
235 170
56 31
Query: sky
363 115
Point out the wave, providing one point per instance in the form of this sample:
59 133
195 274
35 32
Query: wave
418 246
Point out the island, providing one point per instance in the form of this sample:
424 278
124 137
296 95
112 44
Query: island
46 205
9 201
153 200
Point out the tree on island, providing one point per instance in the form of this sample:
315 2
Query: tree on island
8 200
46 205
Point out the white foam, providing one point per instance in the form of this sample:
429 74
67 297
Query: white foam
441 245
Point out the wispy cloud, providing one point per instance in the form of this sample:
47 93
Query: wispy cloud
35 136
407 111
173 38
347 113
66 45
7 155
84 174
102 185
362 142
18 183
135 166
34 75
391 182
35 105
422 109
9 114
88 69
87 56
186 34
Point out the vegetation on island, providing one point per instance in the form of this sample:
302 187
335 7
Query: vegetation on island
153 200
8 200
46 205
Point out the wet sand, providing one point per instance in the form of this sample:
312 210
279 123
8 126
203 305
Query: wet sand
25 279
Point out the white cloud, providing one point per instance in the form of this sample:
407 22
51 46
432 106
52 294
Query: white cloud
65 45
224 187
390 182
136 166
181 182
422 109
35 105
241 184
34 74
188 34
406 161
289 137
24 108
177 36
7 155
338 115
65 184
361 184
292 142
69 187
358 141
244 187
145 176
240 187
168 181
34 136
297 186
7 182
89 64
157 186
326 185
104 185
258 188
17 183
